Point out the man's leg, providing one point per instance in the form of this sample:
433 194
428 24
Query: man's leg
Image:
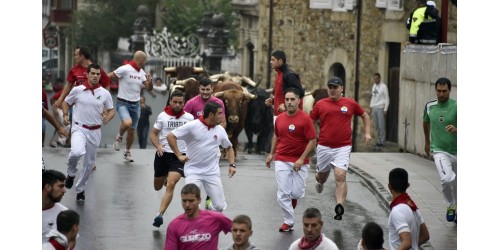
324 157
445 164
340 185
284 179
123 113
134 111
340 165
213 188
173 178
78 142
93 138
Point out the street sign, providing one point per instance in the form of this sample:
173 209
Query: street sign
50 42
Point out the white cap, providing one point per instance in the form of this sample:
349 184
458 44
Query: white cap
431 3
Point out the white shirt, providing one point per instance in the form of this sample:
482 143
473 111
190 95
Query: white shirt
130 82
380 96
202 147
326 244
88 107
403 219
166 123
49 219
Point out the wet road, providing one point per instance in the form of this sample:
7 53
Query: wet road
121 203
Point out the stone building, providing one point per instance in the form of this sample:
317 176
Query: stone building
320 40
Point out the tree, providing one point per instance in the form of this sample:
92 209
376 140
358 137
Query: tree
100 23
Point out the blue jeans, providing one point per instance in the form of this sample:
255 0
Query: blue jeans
129 111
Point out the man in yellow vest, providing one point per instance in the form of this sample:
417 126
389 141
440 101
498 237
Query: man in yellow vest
424 23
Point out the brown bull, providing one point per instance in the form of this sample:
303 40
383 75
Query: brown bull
236 106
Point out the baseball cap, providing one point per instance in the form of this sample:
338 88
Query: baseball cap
335 81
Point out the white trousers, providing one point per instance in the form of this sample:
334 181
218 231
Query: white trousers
213 187
291 185
446 165
84 142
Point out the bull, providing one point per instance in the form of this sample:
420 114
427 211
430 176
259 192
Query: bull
259 121
236 107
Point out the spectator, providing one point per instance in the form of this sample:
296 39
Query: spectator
195 228
379 104
372 237
313 237
53 190
58 115
159 86
64 237
423 23
407 229
242 231
143 125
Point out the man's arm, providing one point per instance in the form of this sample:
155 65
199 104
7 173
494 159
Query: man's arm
367 126
67 88
387 100
65 108
153 136
273 151
231 159
49 117
148 83
405 238
172 142
427 130
108 115
309 148
424 234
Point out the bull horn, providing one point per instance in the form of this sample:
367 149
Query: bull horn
198 70
170 69
250 96
215 77
218 94
308 93
270 90
249 81
182 82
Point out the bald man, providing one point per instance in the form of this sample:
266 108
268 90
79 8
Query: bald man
131 79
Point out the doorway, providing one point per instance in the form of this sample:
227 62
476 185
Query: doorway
393 87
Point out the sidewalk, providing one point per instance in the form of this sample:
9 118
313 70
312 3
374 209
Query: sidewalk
425 190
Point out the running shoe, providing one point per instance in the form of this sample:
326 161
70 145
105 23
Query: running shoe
294 203
339 211
208 203
319 187
118 143
127 156
69 181
286 228
451 213
158 221
80 196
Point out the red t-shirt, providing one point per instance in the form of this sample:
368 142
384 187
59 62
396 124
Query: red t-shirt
77 76
292 135
279 93
45 99
335 120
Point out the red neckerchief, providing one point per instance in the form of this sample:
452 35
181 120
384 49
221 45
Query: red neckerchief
134 65
88 87
304 244
404 198
205 123
171 112
56 244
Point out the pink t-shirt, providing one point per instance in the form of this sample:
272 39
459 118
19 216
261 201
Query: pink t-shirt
293 134
201 232
335 121
196 104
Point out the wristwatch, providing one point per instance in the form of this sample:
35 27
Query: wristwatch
232 165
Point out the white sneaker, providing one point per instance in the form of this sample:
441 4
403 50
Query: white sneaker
127 156
118 143
319 187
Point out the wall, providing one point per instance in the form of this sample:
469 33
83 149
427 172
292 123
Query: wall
421 66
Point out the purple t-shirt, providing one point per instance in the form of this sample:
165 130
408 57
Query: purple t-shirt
196 104
201 232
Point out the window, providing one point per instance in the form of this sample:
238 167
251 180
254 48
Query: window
389 4
334 5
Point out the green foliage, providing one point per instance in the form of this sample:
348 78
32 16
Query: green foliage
99 23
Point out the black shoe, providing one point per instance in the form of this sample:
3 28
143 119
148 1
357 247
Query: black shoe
339 211
80 196
69 181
